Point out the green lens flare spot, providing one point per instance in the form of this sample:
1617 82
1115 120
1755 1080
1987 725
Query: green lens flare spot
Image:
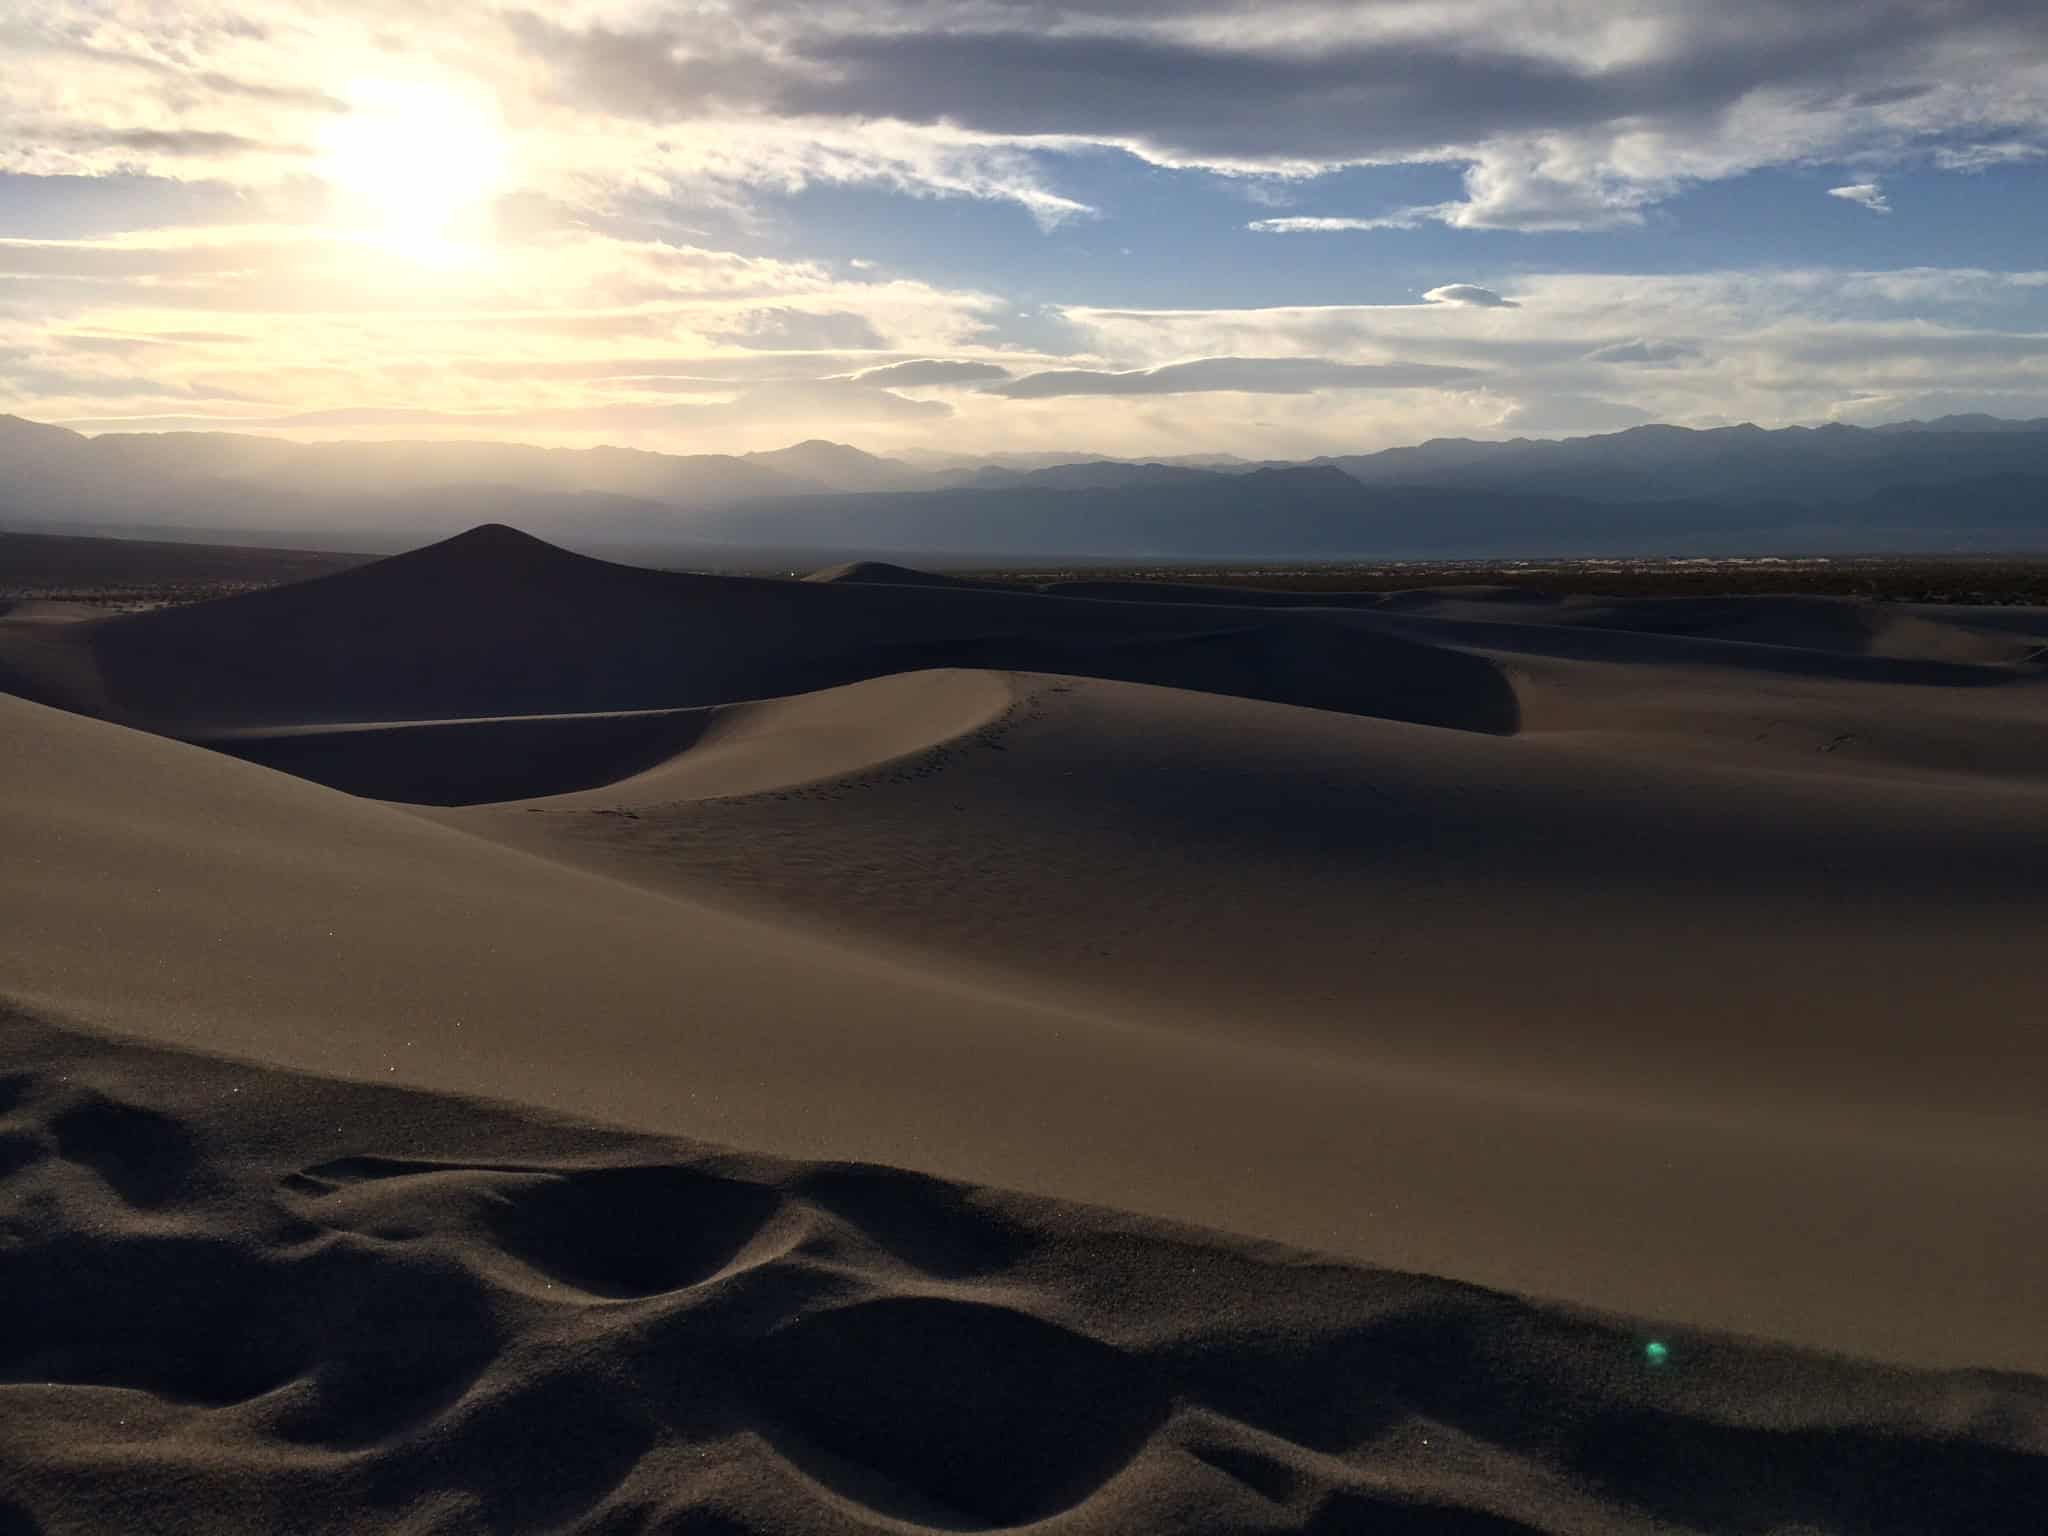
1656 1352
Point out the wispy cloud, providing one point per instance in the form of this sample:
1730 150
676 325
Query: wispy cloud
1317 225
1246 375
1469 296
1865 194
1984 157
929 372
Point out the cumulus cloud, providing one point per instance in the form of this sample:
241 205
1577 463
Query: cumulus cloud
1468 296
926 372
1865 194
1248 375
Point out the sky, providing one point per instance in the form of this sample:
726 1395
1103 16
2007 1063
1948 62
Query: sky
969 226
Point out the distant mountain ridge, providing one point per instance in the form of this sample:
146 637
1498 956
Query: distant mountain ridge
1740 464
1956 483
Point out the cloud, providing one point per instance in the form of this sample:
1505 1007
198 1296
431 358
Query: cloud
1576 116
1787 346
795 330
781 407
1571 413
1647 353
177 143
926 372
1578 120
1317 225
1468 296
1588 351
1971 158
1866 194
646 136
1249 375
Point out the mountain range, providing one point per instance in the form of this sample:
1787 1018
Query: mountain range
1960 483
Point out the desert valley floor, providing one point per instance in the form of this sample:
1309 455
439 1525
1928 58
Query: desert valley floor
1455 1061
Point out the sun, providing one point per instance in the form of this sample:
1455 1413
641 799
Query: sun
418 163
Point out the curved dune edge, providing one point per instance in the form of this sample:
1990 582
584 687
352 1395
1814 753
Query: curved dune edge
773 744
245 1299
632 756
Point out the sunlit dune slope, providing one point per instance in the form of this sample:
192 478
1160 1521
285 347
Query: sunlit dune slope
1529 910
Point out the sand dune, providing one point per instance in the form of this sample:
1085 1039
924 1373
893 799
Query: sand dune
243 1300
882 573
1688 971
495 623
1507 907
670 754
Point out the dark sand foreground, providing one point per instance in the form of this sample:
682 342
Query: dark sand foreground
1680 960
246 1300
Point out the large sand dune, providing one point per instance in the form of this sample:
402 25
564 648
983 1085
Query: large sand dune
1682 964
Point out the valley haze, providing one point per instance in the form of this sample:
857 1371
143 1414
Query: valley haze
1965 483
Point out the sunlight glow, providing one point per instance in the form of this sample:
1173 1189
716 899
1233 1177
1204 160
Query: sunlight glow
416 163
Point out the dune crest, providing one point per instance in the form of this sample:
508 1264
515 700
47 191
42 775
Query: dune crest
495 623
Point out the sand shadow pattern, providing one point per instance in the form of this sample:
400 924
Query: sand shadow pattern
511 1327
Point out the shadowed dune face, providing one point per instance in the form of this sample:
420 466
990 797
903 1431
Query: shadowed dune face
1845 625
471 762
361 1307
494 623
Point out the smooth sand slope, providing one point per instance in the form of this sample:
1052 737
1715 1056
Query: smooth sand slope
1688 976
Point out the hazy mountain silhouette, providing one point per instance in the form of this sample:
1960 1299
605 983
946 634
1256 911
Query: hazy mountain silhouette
835 466
1745 464
1959 483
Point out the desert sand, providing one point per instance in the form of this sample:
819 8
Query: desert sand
390 956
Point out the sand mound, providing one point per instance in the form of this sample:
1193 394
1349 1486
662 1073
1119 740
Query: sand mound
1285 874
1849 625
243 1300
882 573
494 623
